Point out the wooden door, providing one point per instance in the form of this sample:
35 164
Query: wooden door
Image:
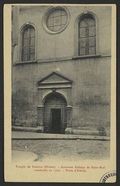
55 120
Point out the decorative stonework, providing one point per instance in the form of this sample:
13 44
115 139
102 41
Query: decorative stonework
40 111
53 81
69 120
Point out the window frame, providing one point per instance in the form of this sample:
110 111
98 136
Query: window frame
52 17
86 37
23 27
76 35
46 15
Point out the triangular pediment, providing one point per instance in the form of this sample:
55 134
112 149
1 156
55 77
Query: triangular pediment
54 78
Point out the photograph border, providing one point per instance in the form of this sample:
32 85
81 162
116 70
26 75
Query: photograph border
118 87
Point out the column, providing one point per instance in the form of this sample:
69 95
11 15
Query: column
40 112
69 120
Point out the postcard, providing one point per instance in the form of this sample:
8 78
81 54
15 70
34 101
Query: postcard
60 93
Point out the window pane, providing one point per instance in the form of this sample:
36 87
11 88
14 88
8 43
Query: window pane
50 22
32 41
25 58
92 31
63 13
56 28
56 13
92 50
82 51
32 32
25 50
63 20
90 22
26 33
32 56
91 41
26 42
32 50
83 23
83 42
82 32
57 21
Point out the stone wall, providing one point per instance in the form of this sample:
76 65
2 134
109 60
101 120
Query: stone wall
90 95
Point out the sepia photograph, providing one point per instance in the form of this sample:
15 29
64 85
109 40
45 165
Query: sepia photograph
62 58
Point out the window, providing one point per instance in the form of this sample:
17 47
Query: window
56 19
28 43
87 35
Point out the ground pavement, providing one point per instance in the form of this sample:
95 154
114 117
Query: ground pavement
54 146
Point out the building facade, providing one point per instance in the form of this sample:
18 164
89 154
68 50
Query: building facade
61 68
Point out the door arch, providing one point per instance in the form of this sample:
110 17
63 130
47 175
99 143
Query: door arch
55 117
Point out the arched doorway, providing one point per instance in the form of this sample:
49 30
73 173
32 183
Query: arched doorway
55 118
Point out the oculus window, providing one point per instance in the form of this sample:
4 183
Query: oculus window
57 19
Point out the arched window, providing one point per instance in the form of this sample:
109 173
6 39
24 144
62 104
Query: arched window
28 43
87 35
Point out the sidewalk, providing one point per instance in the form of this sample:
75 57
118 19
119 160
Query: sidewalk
42 136
23 156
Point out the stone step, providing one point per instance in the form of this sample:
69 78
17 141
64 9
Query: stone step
45 136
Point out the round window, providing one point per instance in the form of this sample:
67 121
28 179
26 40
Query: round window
56 19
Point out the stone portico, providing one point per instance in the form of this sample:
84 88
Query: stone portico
55 88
